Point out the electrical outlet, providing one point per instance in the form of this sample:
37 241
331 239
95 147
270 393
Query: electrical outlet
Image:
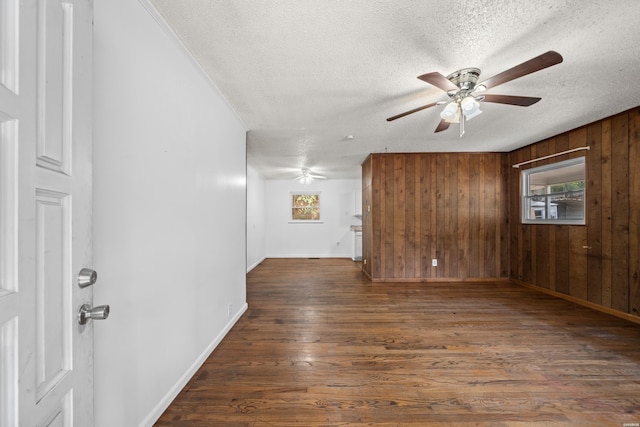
434 262
337 243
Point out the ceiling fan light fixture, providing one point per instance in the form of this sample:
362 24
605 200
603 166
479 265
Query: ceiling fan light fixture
306 176
470 107
465 93
480 88
451 112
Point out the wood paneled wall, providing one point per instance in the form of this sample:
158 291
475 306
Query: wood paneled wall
446 206
598 263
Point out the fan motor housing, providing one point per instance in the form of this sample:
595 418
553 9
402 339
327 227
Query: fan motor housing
465 78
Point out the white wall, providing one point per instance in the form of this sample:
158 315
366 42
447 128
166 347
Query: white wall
330 238
169 224
256 218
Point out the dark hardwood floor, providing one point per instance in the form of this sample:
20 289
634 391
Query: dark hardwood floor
322 346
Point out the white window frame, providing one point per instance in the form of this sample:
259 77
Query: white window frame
305 221
526 197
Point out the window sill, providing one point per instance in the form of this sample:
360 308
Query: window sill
555 222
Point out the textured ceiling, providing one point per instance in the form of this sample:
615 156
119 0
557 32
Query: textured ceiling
303 75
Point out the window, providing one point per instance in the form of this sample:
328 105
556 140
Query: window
305 207
555 193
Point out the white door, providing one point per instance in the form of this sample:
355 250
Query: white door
46 357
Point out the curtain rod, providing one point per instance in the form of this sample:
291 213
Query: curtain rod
517 165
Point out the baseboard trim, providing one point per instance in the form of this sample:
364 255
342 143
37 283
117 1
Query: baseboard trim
164 403
607 310
303 256
439 279
251 267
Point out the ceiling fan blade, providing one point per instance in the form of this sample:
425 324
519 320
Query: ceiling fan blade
538 63
443 125
439 81
406 113
522 101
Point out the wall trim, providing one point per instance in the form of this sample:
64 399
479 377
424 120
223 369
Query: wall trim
173 392
150 8
345 256
439 279
254 265
597 307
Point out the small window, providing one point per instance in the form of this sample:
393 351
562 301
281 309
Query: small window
305 207
555 193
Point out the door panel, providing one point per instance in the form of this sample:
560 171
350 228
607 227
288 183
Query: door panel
53 302
45 220
9 65
10 110
55 84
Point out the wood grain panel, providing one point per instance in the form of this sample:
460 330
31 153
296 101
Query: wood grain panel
427 209
515 244
578 262
490 215
450 206
634 212
594 214
399 219
474 216
502 263
599 262
577 235
539 235
551 232
620 221
413 222
441 214
606 238
464 260
378 189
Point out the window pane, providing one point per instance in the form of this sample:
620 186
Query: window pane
537 189
305 207
306 200
305 214
555 193
568 205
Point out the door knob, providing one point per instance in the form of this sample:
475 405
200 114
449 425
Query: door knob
87 277
100 312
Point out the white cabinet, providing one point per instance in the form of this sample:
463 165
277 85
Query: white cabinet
357 203
357 245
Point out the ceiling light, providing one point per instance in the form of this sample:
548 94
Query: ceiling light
451 112
306 177
470 107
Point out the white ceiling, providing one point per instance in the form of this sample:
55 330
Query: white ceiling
304 74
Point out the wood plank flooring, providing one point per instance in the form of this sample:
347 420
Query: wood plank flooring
322 346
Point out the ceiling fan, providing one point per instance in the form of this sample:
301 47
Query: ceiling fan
465 94
307 177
